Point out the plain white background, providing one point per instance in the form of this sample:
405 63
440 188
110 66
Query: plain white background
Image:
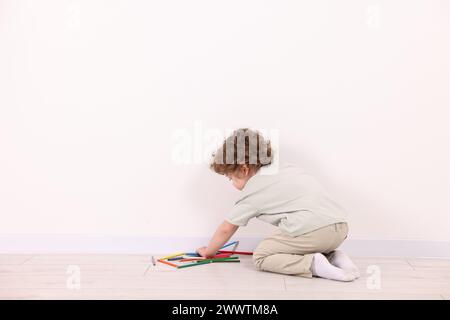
92 92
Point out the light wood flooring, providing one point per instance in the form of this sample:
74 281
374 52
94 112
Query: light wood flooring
134 277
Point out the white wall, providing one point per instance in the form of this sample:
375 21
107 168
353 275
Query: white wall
91 93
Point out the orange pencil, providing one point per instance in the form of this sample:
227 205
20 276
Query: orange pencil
168 263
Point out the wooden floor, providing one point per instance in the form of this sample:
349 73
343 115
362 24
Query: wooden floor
133 277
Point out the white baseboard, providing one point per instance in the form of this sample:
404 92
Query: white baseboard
89 244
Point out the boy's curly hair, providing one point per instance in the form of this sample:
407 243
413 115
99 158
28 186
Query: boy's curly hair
243 147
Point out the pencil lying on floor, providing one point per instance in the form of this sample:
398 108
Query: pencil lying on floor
175 258
168 263
220 255
236 252
191 259
192 254
199 263
172 255
220 259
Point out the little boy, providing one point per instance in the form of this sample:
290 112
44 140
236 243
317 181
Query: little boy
310 224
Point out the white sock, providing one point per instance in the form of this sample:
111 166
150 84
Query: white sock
322 268
339 259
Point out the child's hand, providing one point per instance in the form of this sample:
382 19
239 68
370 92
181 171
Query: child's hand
202 251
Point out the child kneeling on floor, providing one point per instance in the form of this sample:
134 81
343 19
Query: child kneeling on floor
310 224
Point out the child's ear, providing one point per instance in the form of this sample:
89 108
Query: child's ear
245 170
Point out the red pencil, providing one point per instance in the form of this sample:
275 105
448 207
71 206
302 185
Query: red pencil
236 252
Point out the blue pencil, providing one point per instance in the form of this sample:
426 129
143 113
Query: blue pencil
175 258
192 254
228 244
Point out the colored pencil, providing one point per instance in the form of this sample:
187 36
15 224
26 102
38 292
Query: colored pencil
220 255
174 259
228 244
193 254
168 263
172 255
198 263
191 259
220 259
236 252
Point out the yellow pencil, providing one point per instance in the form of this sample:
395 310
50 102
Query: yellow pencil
172 255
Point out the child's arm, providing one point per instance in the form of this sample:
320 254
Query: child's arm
223 233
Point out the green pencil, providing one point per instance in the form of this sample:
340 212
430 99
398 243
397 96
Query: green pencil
198 263
194 264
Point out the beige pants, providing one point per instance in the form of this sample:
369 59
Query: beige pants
285 254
